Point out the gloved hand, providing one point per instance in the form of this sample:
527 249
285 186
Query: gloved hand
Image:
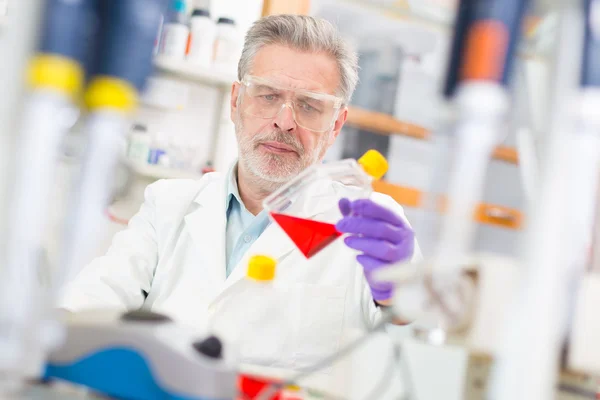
381 235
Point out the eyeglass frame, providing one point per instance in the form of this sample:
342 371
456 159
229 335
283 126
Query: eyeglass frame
337 101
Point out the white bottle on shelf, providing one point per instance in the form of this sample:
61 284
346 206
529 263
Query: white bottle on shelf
139 145
228 45
175 32
203 35
158 148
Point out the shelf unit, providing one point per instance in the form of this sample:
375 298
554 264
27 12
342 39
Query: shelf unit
485 213
385 124
155 172
183 69
125 207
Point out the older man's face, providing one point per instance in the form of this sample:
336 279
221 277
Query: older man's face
277 149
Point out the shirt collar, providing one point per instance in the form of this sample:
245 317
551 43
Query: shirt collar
233 193
232 187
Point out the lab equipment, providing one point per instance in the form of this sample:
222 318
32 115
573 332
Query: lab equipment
250 386
274 387
480 66
124 356
522 315
254 314
228 45
182 151
139 144
143 355
124 66
158 147
295 206
557 254
175 31
310 236
55 78
203 36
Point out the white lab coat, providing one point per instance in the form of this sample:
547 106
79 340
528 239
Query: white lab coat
174 251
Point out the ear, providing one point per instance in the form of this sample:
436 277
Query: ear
339 123
235 92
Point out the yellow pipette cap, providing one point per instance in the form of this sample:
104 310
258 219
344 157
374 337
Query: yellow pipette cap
261 268
374 164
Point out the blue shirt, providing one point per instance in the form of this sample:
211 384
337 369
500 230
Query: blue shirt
243 228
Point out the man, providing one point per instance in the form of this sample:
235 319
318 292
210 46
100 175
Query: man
186 250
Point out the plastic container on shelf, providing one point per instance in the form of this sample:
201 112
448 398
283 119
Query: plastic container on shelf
292 206
158 148
175 31
139 144
228 45
203 34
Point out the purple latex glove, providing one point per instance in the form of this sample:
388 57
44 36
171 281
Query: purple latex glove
381 235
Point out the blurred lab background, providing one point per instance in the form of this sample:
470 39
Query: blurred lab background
183 128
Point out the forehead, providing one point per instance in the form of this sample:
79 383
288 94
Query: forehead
317 72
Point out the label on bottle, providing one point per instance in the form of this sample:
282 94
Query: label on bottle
155 156
175 40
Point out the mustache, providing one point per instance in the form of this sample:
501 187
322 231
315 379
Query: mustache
281 137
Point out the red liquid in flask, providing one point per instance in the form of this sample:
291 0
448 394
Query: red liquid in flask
308 235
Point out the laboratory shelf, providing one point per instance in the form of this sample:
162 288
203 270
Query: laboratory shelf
162 172
188 71
384 124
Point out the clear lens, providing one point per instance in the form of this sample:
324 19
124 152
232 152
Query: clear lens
312 111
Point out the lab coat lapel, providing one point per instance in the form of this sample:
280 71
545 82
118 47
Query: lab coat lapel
206 224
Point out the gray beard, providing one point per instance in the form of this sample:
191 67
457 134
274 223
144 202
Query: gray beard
252 161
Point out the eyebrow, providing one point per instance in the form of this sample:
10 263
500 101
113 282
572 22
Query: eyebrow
262 86
304 97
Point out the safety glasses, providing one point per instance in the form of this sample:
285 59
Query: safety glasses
263 98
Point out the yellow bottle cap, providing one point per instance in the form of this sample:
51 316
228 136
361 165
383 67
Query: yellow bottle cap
261 268
374 164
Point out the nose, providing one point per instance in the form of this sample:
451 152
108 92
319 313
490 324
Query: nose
285 119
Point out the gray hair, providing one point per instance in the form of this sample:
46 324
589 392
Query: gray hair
306 34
